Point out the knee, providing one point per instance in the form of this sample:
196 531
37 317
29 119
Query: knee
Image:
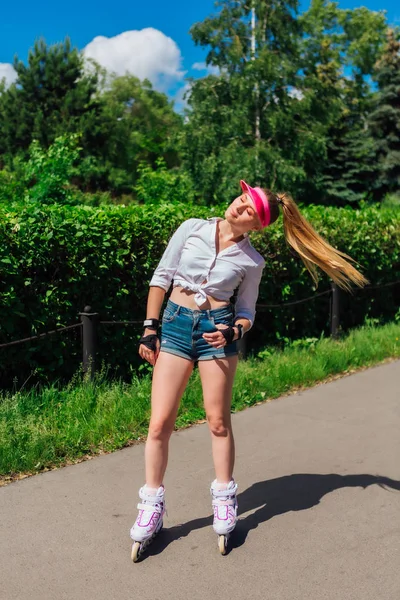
218 426
160 430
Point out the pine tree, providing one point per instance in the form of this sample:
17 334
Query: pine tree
51 96
348 179
384 120
349 172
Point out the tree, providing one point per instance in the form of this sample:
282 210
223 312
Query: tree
232 127
384 120
348 174
50 171
51 96
339 52
140 126
121 121
280 91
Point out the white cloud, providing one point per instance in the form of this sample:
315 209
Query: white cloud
180 102
295 93
202 66
148 54
7 71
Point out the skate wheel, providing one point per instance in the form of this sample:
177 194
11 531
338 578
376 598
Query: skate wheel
222 543
135 555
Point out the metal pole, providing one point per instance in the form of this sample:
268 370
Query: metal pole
89 340
241 346
335 311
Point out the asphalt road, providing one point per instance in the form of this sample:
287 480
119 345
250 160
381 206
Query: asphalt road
319 504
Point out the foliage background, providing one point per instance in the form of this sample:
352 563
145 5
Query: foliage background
56 259
306 102
96 172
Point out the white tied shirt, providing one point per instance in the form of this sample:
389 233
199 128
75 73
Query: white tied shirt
192 262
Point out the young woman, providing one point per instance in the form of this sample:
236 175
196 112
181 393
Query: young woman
207 260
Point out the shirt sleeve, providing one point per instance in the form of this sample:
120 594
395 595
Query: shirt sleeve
167 267
245 306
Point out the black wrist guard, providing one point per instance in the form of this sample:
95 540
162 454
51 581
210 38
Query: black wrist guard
240 331
151 324
229 334
150 341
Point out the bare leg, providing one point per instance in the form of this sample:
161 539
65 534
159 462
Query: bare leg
217 380
170 377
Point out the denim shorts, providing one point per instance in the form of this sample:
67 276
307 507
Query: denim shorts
182 332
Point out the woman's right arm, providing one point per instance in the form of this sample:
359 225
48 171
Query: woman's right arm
154 304
161 282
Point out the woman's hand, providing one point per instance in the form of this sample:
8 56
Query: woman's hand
217 339
151 349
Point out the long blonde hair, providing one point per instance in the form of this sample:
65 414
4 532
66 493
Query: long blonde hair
311 247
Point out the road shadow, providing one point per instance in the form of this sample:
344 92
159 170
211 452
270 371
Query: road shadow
275 497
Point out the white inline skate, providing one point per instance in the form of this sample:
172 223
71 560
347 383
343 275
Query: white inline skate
225 507
149 521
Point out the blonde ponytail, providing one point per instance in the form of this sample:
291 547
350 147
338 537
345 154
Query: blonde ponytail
314 250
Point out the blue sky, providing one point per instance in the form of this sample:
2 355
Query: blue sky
167 43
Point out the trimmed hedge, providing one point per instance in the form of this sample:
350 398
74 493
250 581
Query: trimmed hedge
55 260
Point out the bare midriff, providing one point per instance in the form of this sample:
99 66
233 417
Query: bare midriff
186 298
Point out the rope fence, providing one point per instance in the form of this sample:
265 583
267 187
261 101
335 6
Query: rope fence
40 335
295 302
377 287
121 322
90 322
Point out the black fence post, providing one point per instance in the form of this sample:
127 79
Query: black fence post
89 340
335 311
241 346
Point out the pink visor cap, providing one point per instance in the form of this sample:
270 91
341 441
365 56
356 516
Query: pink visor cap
260 202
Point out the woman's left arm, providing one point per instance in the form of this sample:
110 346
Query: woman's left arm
245 308
246 325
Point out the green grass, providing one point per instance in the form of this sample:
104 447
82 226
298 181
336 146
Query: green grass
53 427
